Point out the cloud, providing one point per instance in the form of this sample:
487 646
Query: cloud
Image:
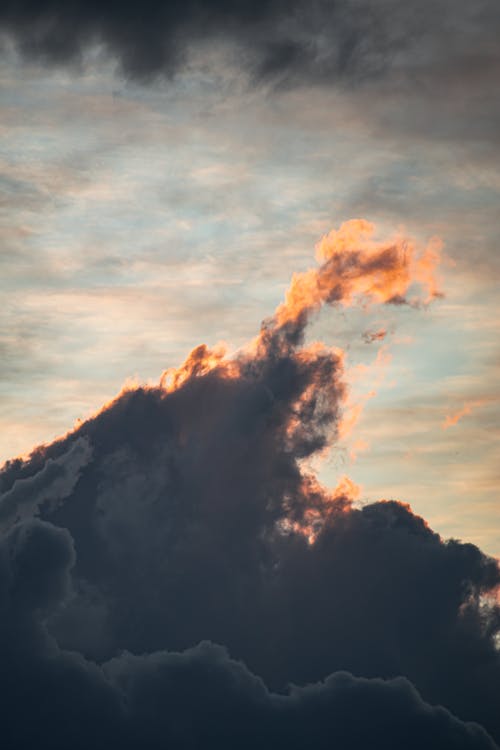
51 485
198 698
370 336
198 520
452 419
290 41
354 266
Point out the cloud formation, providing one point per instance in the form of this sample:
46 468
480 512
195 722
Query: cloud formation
198 698
198 520
292 41
452 419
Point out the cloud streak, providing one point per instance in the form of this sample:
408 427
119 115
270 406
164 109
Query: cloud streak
452 419
292 41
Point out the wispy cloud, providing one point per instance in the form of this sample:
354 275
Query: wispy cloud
452 419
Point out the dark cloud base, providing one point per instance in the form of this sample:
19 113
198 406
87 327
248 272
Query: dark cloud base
174 520
200 698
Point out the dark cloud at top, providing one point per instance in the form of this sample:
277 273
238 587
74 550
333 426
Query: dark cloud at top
188 517
290 40
54 482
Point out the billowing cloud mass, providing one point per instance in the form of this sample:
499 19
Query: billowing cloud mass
195 567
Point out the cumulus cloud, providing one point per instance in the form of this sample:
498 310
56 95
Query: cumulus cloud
198 698
198 520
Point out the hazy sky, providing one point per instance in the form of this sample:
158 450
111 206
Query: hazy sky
153 202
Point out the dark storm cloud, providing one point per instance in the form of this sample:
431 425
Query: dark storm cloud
189 515
186 527
199 698
52 484
292 40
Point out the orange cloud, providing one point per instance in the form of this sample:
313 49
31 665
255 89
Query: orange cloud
199 362
353 408
356 267
452 419
321 505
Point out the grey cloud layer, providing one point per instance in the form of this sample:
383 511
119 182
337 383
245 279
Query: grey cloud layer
294 41
200 698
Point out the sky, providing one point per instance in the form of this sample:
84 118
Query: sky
147 211
166 170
